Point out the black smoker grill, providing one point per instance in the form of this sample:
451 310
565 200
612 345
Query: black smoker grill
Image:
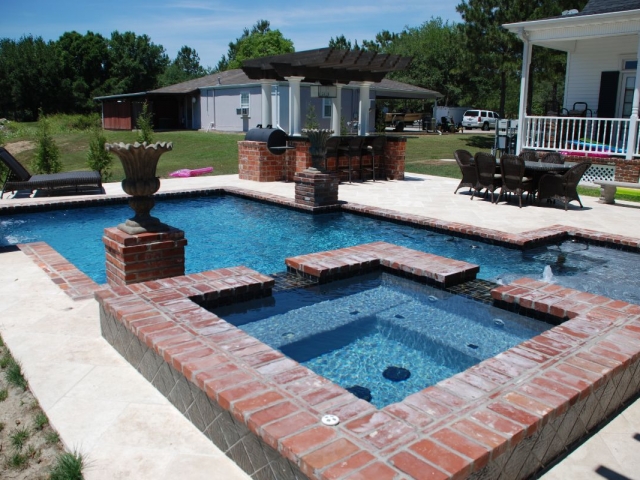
275 139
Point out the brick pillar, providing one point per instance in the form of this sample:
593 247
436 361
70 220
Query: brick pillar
394 157
257 163
316 189
143 257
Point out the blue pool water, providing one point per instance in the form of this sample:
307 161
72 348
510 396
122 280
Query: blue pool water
351 331
228 231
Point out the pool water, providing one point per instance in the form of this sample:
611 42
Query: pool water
351 331
225 231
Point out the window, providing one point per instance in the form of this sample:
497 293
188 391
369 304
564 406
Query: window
326 108
244 105
630 65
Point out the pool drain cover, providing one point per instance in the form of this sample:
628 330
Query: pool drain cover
396 374
361 392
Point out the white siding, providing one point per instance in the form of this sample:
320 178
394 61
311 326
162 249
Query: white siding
588 61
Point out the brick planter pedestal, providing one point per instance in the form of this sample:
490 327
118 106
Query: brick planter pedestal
143 257
316 189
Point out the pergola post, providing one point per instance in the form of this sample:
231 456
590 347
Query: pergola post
336 110
266 102
524 87
294 105
365 103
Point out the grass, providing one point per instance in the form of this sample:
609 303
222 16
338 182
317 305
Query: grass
68 466
14 375
19 438
40 421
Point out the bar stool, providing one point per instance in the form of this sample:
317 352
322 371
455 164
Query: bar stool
374 146
333 144
353 148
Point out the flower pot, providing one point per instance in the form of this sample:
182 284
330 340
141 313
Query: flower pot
140 162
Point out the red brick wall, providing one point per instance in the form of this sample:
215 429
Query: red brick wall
256 163
143 257
316 189
394 153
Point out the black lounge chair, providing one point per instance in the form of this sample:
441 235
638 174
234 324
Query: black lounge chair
19 177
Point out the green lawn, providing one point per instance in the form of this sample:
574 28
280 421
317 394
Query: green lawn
426 154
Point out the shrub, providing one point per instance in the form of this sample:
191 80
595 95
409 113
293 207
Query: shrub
68 466
311 120
98 158
47 159
145 125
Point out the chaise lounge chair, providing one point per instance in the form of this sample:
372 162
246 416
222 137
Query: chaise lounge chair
19 178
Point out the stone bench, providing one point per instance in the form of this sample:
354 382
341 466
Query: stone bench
608 189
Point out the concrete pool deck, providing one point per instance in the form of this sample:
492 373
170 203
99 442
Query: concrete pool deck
67 329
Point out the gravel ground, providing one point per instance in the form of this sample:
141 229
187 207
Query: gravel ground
28 444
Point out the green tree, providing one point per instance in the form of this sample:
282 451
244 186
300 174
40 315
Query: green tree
311 120
98 157
30 78
341 43
84 60
186 66
260 41
145 125
134 64
436 50
47 159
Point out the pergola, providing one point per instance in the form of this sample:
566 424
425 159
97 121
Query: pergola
325 67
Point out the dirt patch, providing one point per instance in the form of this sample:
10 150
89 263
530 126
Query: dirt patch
18 147
20 415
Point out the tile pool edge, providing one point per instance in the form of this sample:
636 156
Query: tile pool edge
509 415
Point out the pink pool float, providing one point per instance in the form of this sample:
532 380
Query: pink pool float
186 172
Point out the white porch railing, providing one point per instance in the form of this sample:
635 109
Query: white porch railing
582 135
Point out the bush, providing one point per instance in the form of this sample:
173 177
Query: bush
68 466
311 120
47 159
70 123
145 125
98 158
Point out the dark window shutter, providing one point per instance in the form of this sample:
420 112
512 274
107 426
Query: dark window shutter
608 94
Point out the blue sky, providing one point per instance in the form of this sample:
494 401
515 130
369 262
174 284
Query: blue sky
209 26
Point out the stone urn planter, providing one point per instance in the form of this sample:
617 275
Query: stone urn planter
318 146
139 162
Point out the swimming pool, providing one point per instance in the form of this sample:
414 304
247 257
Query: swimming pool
225 231
353 331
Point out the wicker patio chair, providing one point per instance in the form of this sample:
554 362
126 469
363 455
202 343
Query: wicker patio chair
464 159
19 178
529 156
562 187
485 164
552 157
513 180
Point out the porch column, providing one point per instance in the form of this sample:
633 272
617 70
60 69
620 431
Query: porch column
524 87
633 119
294 105
365 103
336 109
266 102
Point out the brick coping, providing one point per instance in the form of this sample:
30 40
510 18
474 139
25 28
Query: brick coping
472 423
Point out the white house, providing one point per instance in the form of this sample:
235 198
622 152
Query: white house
600 115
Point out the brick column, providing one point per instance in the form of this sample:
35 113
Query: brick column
143 257
257 163
394 157
316 189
